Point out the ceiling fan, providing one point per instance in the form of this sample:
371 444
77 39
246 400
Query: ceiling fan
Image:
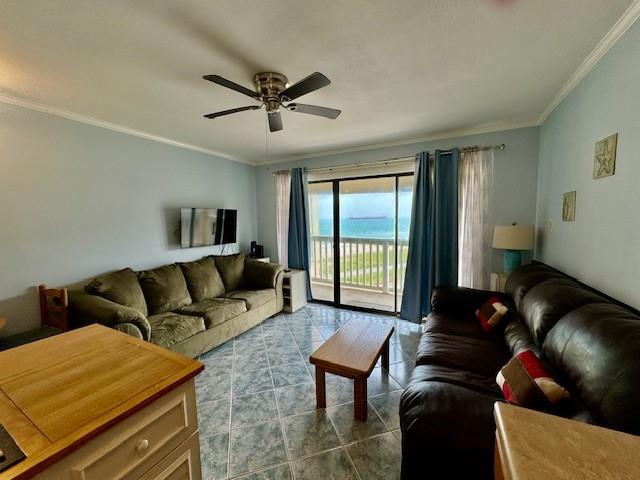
273 91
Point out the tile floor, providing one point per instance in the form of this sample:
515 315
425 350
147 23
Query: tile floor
256 404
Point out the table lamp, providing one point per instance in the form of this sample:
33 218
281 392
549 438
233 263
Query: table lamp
513 239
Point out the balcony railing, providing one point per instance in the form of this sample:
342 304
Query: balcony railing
367 263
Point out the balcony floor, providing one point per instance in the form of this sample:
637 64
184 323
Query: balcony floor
355 297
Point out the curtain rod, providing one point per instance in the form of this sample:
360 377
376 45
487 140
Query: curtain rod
473 148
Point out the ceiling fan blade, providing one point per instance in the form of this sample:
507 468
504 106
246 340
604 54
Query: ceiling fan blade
275 122
232 85
306 85
331 113
233 110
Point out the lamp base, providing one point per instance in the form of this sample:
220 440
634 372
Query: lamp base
512 260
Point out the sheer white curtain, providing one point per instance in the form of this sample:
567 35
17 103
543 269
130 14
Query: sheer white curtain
283 198
476 218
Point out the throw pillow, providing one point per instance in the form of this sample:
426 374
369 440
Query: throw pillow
491 312
203 279
526 382
121 287
164 288
231 269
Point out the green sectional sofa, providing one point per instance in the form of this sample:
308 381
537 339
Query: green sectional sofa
189 308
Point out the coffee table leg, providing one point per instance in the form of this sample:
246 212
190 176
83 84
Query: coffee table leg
321 399
385 356
360 394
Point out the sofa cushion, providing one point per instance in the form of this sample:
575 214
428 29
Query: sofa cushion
120 287
203 279
517 337
254 298
596 349
481 356
465 325
169 328
549 301
164 288
215 310
526 277
231 268
448 431
438 373
261 274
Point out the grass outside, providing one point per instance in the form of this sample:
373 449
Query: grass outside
362 269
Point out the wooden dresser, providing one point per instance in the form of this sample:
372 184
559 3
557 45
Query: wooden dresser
95 404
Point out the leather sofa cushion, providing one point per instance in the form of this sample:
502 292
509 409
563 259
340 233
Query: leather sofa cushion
438 373
447 431
518 338
203 279
597 347
254 298
525 278
484 357
465 325
164 289
549 301
215 311
231 269
120 287
169 328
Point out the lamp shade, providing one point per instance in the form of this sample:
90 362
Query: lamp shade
513 237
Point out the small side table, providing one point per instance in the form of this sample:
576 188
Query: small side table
532 445
498 280
294 289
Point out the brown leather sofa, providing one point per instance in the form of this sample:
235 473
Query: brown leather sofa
589 342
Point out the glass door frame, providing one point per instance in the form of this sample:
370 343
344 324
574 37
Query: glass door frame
335 183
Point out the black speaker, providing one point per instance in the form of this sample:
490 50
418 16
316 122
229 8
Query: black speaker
257 251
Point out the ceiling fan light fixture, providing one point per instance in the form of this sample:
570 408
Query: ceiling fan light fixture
273 90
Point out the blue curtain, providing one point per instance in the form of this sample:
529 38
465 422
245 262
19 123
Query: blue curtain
299 225
433 239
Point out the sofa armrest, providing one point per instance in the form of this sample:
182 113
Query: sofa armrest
261 274
87 308
459 299
129 329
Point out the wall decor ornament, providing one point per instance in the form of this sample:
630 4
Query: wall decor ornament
569 207
604 158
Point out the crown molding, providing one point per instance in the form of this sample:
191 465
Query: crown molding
78 117
463 132
627 19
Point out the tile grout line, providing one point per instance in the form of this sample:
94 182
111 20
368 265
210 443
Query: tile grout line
275 397
233 365
306 320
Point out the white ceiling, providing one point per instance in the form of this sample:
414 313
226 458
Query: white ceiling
401 69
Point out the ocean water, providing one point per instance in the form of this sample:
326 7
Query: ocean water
381 228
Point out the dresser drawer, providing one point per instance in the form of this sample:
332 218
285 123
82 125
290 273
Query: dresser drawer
135 445
181 464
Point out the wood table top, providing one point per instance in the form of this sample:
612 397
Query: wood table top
58 393
535 445
354 348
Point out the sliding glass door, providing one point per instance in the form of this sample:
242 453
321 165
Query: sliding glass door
321 207
359 236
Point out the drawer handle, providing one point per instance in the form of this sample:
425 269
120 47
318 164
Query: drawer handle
142 445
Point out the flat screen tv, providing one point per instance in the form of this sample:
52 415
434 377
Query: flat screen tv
200 227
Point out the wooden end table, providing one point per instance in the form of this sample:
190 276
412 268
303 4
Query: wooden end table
352 352
532 445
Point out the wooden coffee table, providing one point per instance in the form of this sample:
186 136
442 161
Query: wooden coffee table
352 352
